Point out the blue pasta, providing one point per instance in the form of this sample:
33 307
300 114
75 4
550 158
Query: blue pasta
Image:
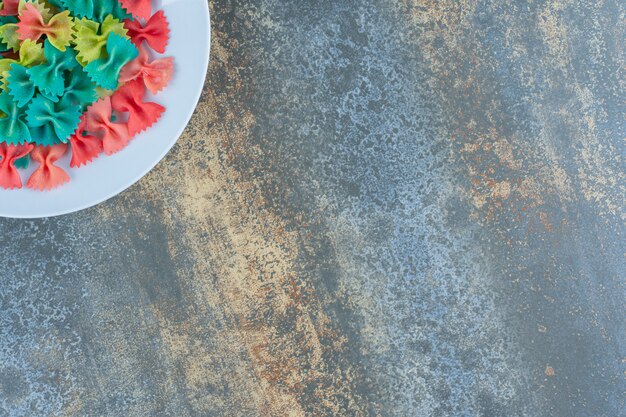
51 122
49 76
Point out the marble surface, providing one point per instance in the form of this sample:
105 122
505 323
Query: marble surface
380 208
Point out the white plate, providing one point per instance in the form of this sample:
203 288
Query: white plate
108 176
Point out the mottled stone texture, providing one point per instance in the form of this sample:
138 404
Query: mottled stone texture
380 208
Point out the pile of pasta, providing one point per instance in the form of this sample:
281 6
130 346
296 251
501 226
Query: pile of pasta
74 77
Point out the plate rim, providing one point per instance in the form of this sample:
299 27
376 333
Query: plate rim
150 166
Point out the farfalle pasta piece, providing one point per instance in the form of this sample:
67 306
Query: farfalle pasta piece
141 9
33 25
115 136
14 129
51 122
19 83
156 32
156 74
91 37
105 72
47 175
85 147
9 154
141 114
48 77
9 7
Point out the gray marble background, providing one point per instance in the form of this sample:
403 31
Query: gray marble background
380 208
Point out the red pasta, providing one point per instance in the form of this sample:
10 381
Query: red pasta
141 114
85 147
9 177
156 74
114 136
48 176
155 32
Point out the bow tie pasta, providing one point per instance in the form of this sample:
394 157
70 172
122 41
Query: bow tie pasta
74 75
